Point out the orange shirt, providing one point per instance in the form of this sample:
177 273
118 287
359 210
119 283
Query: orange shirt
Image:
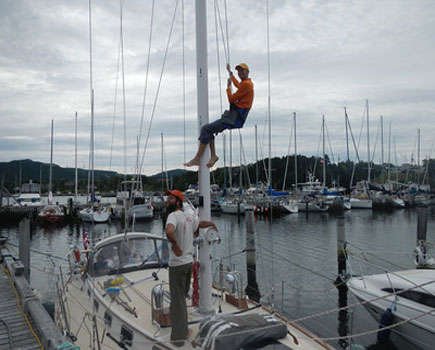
244 95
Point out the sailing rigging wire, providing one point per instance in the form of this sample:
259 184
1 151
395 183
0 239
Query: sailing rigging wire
329 143
184 82
219 68
353 138
227 32
290 138
114 105
146 75
225 43
158 86
376 143
91 93
217 54
362 252
121 6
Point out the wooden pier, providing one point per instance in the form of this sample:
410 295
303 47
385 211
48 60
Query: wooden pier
24 322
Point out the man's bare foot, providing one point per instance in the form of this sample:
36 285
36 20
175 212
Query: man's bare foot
193 162
212 161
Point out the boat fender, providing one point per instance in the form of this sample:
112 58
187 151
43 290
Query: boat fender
419 257
386 320
67 346
77 254
357 347
117 281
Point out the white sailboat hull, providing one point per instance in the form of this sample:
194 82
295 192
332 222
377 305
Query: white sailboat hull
289 206
232 208
94 215
312 207
417 328
85 303
141 212
361 203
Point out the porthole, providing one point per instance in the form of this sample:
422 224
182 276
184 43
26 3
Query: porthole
107 319
126 336
96 305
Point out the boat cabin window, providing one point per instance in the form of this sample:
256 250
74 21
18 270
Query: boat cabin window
138 201
129 255
418 297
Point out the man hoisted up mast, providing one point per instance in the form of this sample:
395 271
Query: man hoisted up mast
240 104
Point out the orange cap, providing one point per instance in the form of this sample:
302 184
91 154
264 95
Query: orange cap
175 193
242 66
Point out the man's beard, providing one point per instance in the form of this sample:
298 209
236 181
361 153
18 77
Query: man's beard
170 208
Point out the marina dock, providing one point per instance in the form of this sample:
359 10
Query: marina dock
24 322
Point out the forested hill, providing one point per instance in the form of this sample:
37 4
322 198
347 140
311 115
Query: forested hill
27 169
21 171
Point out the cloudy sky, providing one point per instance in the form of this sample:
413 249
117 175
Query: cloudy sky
324 56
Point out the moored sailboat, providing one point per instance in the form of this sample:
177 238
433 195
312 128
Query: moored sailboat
51 213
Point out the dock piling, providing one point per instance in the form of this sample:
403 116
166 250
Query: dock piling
252 290
24 246
422 213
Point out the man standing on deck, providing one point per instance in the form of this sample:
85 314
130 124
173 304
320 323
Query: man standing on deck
180 228
240 104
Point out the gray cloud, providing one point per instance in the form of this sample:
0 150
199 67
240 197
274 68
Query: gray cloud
324 56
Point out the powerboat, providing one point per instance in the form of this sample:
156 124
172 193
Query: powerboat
28 200
409 294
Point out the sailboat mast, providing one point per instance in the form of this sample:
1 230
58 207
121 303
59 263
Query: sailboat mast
92 144
205 298
347 133
256 158
368 141
161 140
231 160
91 91
324 155
240 167
296 154
389 151
268 98
51 160
382 149
418 158
225 160
75 161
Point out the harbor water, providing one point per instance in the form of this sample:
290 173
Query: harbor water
296 261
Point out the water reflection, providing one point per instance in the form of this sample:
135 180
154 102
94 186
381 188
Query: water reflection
295 251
